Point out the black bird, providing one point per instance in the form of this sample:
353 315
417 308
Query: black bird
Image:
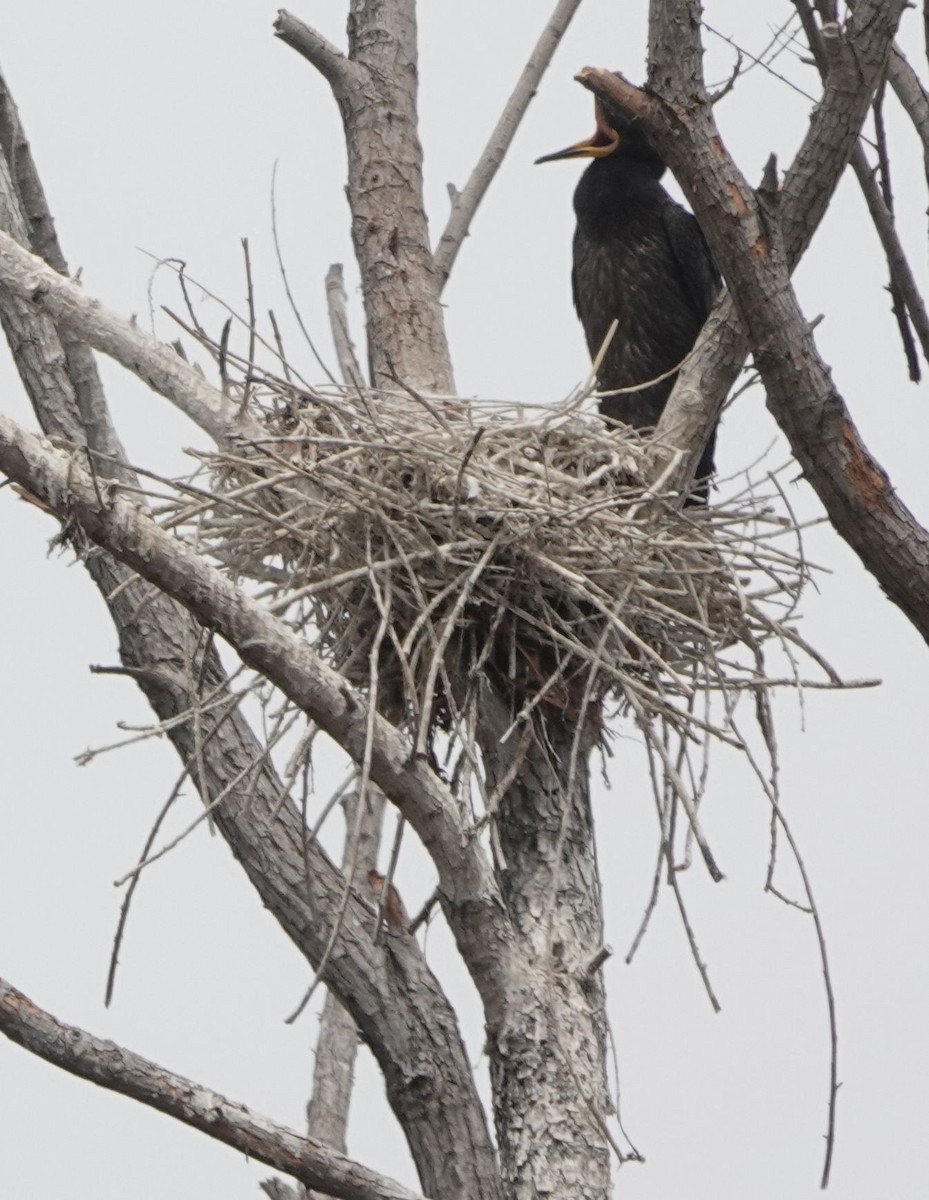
640 260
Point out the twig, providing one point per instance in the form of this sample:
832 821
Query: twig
906 297
424 913
899 301
252 330
133 884
691 936
758 62
285 279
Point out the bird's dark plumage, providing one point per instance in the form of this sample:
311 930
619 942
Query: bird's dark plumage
641 260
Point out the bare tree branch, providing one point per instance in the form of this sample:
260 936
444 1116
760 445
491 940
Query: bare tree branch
336 1047
29 279
857 57
913 97
277 1189
37 232
903 282
268 645
466 202
711 370
113 1067
907 301
395 1000
749 240
339 71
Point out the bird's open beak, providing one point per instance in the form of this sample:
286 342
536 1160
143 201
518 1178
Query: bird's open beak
603 142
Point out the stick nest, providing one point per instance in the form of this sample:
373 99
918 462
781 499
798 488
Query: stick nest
429 546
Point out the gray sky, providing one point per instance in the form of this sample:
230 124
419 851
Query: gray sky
156 130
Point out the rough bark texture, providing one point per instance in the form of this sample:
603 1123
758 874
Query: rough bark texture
754 249
406 330
394 999
110 1066
548 1049
808 187
544 1017
376 89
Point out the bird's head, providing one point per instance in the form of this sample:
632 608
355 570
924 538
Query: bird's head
616 137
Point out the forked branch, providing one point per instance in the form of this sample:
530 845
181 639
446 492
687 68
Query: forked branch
269 646
404 320
809 185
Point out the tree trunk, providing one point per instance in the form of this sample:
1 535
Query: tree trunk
548 1052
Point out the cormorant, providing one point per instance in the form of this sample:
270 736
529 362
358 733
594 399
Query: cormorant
641 260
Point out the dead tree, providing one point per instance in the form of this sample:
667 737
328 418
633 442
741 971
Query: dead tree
518 883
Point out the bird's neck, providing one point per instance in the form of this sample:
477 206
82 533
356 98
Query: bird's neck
607 181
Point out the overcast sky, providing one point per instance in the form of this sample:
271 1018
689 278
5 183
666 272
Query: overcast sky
156 129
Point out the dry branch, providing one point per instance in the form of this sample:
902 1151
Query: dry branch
337 303
754 250
338 70
465 203
263 642
808 187
68 305
904 287
120 1070
912 95
25 214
